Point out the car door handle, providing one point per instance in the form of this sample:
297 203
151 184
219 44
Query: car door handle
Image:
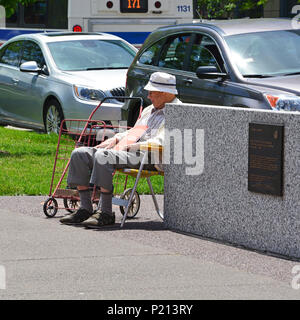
15 81
188 81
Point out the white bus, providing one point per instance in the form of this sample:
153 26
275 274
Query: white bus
132 20
128 19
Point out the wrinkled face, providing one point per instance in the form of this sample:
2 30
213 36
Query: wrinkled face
159 99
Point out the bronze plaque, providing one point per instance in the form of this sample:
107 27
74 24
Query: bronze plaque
265 161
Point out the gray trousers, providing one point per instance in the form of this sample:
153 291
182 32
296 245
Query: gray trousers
89 165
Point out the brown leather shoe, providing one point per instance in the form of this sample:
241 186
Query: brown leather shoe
77 217
99 220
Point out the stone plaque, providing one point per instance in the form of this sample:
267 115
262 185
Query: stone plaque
265 161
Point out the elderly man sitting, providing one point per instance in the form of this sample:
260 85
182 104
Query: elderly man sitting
96 165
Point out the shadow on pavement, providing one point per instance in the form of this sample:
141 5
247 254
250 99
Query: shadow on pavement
129 225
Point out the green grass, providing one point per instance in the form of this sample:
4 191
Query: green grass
27 162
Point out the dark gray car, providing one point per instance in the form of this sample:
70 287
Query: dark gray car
251 63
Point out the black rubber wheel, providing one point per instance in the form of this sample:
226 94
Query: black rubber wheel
71 205
53 116
135 205
50 207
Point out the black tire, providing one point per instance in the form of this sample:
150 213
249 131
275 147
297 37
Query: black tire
71 205
50 207
53 116
135 205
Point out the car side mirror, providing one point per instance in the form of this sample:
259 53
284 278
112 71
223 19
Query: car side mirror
45 70
209 72
30 66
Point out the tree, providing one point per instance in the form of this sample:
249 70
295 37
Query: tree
226 8
11 5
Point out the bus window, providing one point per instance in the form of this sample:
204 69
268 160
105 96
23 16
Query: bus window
132 20
35 13
40 14
12 20
57 14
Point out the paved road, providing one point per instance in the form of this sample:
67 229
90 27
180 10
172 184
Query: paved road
43 259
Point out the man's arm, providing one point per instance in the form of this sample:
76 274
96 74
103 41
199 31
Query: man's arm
157 140
108 144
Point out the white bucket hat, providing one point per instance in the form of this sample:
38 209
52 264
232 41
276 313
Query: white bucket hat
161 81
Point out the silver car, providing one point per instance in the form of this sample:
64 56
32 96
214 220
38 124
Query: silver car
48 77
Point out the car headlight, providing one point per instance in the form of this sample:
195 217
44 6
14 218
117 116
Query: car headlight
86 93
284 102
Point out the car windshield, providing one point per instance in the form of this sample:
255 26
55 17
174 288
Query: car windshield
78 55
266 54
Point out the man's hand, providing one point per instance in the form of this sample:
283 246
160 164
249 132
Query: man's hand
130 147
108 144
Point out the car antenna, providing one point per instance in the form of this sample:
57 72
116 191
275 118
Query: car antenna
199 14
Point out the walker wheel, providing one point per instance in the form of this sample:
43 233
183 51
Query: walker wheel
135 204
71 205
50 207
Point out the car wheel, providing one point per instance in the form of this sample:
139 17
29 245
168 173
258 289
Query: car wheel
53 116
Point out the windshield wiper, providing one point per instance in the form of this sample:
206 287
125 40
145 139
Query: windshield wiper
291 74
95 68
257 76
106 68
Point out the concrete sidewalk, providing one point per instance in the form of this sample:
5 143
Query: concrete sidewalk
44 259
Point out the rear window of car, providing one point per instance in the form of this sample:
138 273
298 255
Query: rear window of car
174 52
150 55
10 55
169 52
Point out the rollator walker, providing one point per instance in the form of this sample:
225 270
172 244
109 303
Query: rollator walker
76 133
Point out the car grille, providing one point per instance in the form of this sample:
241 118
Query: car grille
118 92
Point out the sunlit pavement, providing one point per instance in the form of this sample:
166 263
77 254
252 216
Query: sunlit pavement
44 259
